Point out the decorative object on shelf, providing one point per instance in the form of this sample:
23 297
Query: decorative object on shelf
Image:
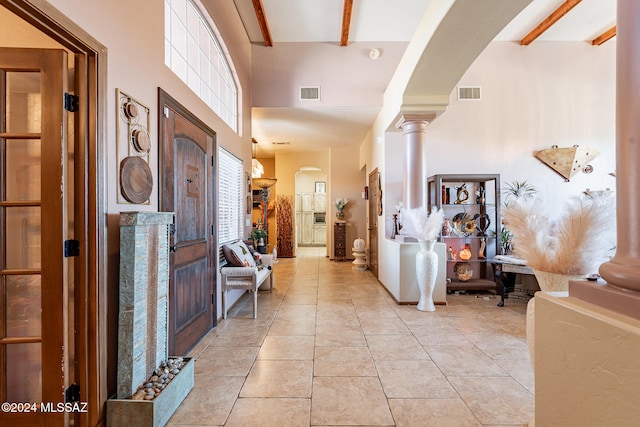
451 254
464 225
465 253
394 230
284 219
340 205
463 271
425 228
446 195
567 161
446 228
359 255
481 196
265 184
483 245
462 195
483 221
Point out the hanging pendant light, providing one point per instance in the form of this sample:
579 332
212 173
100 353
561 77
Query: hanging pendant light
256 167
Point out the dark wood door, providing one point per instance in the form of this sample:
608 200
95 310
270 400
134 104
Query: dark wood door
374 207
34 209
187 190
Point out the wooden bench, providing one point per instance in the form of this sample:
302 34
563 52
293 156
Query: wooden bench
247 278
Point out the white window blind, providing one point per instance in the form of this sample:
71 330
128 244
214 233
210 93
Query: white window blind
194 53
230 197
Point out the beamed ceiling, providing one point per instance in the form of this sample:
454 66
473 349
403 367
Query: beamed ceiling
269 23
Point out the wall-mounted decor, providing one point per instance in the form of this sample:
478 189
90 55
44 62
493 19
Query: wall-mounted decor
568 161
379 195
321 187
133 144
249 195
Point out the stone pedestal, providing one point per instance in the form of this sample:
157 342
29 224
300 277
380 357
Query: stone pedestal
360 259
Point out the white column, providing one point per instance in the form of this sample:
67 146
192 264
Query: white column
414 134
623 271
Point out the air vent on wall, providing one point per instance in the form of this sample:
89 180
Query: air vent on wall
468 93
310 93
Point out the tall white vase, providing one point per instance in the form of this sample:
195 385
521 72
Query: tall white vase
548 282
426 272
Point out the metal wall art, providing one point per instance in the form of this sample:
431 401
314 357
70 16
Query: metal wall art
133 143
568 161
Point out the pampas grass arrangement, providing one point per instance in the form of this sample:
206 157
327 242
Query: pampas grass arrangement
417 223
577 243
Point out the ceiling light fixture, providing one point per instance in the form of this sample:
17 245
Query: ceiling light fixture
256 167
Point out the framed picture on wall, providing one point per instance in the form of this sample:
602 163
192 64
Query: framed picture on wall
321 187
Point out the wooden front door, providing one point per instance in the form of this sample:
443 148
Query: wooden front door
374 203
34 223
186 168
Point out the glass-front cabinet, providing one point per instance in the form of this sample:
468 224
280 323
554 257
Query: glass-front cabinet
471 229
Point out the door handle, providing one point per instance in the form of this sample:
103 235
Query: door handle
173 248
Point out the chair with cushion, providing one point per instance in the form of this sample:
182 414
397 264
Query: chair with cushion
242 272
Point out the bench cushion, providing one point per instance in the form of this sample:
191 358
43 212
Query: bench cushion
238 254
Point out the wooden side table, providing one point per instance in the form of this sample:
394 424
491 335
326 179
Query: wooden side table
340 240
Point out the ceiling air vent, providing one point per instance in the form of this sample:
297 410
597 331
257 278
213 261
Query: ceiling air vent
310 93
468 93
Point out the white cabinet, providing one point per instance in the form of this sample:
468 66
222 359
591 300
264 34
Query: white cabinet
307 202
307 229
319 234
319 202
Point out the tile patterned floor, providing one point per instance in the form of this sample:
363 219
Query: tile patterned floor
331 348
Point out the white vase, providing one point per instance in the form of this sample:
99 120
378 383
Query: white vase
548 282
426 272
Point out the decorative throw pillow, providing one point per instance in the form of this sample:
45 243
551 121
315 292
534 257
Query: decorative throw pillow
238 255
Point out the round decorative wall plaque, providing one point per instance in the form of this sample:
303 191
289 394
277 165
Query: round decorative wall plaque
136 180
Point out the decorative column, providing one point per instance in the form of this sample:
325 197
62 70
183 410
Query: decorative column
624 269
622 273
414 133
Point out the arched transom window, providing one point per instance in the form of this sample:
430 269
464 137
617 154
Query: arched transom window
195 54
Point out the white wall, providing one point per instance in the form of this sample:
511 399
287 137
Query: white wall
548 93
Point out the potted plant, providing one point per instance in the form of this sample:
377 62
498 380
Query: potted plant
258 235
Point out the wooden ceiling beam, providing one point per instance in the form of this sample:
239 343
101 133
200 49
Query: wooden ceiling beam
262 21
346 22
549 21
610 33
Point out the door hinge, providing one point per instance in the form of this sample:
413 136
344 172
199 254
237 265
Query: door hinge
71 102
213 299
71 248
72 394
213 232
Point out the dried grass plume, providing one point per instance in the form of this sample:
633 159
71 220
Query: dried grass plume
417 223
577 243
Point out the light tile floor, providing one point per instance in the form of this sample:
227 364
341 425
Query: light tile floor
330 347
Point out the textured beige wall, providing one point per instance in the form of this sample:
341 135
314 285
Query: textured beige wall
587 371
